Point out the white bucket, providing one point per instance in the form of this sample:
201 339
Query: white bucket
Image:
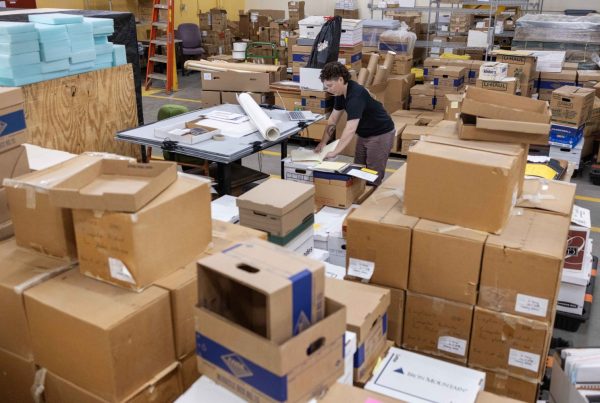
239 55
240 46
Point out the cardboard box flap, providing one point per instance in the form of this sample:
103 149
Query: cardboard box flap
114 185
105 305
10 96
446 128
565 75
456 148
276 196
548 195
13 163
273 360
384 208
514 126
412 132
451 230
469 131
496 105
588 75
569 91
364 304
535 232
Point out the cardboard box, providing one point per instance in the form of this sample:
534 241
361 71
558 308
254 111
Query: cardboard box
240 363
509 344
507 85
562 389
395 315
566 136
117 247
521 267
210 98
348 393
548 196
588 78
446 261
518 62
22 269
511 387
231 97
422 89
164 386
486 397
452 77
553 81
13 163
233 81
336 190
12 118
572 105
349 351
18 377
437 170
407 376
31 210
113 185
379 237
422 102
283 295
366 308
452 110
114 328
316 101
276 206
437 327
183 292
493 71
225 234
188 369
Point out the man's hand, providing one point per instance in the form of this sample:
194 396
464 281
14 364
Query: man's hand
320 146
331 155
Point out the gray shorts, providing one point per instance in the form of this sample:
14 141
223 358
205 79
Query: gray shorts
374 151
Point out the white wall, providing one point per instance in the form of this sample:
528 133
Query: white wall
325 7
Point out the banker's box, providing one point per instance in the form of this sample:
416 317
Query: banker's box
12 118
267 289
336 190
259 370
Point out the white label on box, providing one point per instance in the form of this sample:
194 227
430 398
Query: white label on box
207 76
342 60
361 268
581 217
523 359
119 271
452 345
531 305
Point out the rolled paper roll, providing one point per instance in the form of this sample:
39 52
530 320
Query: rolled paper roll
388 62
381 75
363 75
372 67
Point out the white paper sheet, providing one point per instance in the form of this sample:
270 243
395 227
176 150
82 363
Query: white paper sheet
235 130
302 154
267 128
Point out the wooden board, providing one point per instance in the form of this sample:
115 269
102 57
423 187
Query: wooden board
83 112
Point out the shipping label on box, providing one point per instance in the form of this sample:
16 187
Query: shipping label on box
493 71
508 85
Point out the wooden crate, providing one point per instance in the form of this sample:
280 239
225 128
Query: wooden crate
83 112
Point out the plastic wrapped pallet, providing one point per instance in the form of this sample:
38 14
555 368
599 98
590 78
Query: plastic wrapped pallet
558 28
401 41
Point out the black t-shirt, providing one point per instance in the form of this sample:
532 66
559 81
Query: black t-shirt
359 104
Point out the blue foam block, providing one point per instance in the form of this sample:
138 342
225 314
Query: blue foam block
82 28
100 39
106 48
56 18
119 55
51 33
17 82
101 25
81 66
7 27
19 60
19 48
58 65
104 58
100 66
84 56
104 31
53 51
81 44
21 71
55 74
19 37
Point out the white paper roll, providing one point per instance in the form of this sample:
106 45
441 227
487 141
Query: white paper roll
261 120
240 46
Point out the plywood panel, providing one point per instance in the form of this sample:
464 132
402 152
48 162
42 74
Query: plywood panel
83 112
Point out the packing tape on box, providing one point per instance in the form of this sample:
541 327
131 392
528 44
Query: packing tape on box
40 278
389 193
37 389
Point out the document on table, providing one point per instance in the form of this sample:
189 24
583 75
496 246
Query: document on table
302 154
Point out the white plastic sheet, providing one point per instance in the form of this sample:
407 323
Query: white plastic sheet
261 120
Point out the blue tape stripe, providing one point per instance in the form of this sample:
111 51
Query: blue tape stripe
300 58
301 301
344 346
330 176
552 85
359 356
243 369
396 47
385 324
12 122
296 78
456 83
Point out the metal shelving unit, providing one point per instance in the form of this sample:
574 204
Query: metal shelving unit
438 7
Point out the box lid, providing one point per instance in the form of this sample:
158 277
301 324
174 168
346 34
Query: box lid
423 89
276 196
496 105
450 71
565 75
455 152
364 303
486 146
10 96
548 195
588 75
572 91
114 185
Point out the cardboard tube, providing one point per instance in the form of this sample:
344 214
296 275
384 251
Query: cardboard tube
381 75
362 76
372 67
388 62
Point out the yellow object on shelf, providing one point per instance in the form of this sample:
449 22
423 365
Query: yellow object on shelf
418 73
455 57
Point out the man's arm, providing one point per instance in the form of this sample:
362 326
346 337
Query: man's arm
347 135
329 129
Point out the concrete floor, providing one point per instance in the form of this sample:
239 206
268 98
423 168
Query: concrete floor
268 161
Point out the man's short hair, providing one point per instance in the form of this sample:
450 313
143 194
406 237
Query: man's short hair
333 71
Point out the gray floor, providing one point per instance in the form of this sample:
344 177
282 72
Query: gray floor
269 162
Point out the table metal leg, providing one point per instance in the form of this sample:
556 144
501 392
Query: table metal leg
144 154
284 145
224 178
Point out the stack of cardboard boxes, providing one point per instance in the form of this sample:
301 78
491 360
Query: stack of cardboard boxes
460 23
13 156
216 37
548 82
448 80
295 12
493 76
571 109
472 295
522 66
283 209
347 9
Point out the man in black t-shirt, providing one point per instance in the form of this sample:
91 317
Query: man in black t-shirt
366 117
